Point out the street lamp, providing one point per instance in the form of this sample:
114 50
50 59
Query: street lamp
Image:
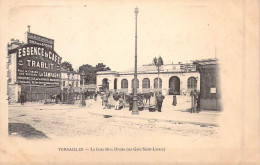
135 108
83 102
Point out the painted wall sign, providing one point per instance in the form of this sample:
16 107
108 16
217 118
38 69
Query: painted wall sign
39 40
38 65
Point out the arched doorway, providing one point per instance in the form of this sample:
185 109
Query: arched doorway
105 84
174 85
115 83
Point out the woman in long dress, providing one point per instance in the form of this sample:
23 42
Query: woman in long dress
174 100
153 100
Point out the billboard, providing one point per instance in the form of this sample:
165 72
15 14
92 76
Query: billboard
39 40
38 65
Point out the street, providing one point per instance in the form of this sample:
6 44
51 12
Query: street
55 120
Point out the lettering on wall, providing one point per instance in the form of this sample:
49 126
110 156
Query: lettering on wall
38 65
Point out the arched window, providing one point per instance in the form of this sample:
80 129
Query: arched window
133 83
146 83
124 83
156 83
192 83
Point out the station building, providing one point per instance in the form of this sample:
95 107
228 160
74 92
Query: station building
173 78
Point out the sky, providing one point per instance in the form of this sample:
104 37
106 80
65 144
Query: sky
91 32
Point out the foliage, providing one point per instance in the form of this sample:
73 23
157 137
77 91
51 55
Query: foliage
67 66
101 67
88 72
158 62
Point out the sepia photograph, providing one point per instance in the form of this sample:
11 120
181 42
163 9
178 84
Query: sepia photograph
130 82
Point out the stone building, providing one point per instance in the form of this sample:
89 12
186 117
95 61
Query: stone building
173 78
70 79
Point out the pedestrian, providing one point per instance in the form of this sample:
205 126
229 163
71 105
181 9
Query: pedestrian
116 99
121 103
22 98
198 101
130 100
104 100
95 96
152 101
174 99
159 99
193 100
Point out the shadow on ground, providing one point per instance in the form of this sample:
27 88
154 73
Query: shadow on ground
24 130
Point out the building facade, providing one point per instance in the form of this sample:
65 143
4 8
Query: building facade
33 68
173 78
70 79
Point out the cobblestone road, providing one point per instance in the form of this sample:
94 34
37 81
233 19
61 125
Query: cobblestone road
72 121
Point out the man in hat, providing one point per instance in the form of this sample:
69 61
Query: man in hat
159 99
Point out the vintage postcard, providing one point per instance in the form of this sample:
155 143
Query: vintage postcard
129 82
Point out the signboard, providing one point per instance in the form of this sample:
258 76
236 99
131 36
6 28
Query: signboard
38 65
39 40
213 90
189 67
180 67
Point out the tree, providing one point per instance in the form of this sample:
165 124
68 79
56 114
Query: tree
67 66
89 72
101 67
158 62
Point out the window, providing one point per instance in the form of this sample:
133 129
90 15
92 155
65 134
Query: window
72 84
156 83
146 83
63 83
192 83
124 83
133 83
77 84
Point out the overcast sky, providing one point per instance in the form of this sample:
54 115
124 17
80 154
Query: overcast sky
88 32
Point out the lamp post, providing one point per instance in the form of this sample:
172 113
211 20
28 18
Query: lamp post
135 108
68 91
83 102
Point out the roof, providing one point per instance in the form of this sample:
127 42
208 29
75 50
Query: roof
210 61
143 69
150 69
65 71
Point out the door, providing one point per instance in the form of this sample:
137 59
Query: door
174 85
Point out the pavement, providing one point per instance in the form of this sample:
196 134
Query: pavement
177 114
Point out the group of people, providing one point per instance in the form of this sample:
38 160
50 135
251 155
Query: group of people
119 100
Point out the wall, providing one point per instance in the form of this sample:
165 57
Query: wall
69 79
165 76
12 88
